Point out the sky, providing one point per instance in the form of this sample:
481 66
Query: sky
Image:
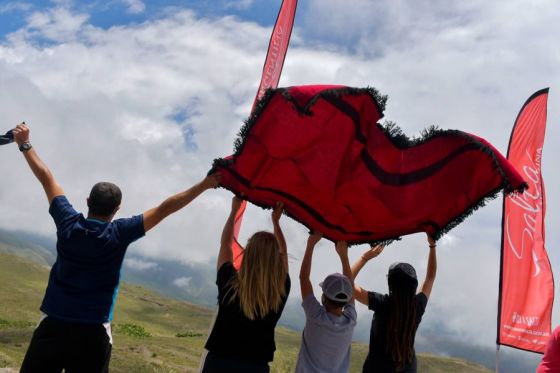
147 94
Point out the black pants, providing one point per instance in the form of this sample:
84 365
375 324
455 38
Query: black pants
220 364
74 347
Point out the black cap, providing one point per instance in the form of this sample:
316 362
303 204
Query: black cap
402 272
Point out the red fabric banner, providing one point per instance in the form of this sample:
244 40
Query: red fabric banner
272 69
526 283
320 150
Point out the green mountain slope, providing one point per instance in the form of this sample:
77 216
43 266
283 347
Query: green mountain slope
151 333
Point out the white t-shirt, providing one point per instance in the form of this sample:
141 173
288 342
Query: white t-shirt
326 340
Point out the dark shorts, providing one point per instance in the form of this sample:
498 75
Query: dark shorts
220 364
74 347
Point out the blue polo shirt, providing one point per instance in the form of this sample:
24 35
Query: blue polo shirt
84 280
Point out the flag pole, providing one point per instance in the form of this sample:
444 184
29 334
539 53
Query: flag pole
497 358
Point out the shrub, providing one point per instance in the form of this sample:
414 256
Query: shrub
188 334
133 330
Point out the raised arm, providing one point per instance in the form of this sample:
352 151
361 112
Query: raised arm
342 251
431 270
226 254
305 270
155 215
359 293
276 215
39 169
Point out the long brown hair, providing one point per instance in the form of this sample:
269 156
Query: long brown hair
260 282
401 325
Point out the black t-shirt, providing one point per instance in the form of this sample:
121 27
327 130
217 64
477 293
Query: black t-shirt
233 334
378 360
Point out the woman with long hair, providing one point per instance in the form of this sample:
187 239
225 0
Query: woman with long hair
397 314
250 300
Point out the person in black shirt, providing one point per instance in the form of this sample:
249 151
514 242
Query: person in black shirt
397 314
250 300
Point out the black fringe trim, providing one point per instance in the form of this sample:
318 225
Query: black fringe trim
384 241
460 218
379 100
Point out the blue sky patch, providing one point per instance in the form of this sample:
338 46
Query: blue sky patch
13 14
181 116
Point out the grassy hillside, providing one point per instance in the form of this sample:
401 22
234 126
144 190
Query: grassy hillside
151 333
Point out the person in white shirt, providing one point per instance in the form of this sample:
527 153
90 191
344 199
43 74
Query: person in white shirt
329 325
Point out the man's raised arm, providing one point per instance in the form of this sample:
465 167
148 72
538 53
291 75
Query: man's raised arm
40 169
155 215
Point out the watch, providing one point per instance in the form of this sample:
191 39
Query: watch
25 147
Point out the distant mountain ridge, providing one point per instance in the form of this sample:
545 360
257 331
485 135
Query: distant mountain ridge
34 247
193 283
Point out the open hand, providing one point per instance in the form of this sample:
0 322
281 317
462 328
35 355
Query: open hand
373 252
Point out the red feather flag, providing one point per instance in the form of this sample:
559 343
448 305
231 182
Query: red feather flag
526 282
272 69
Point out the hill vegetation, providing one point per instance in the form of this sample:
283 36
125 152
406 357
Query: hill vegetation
151 333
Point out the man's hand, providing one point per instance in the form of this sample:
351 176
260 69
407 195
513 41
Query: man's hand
372 252
21 134
212 181
342 248
277 212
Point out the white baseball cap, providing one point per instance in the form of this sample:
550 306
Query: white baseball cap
337 287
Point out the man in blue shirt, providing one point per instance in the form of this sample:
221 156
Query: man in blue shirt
75 334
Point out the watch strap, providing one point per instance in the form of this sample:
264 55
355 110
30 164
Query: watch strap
25 147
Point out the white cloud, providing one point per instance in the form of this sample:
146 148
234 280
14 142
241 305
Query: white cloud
14 6
238 4
182 282
56 24
134 6
138 264
100 105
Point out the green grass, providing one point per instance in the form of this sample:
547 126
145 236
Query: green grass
151 333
